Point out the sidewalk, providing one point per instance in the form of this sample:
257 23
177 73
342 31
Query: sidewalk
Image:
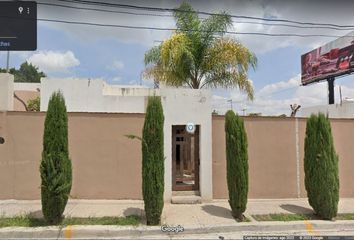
208 220
216 212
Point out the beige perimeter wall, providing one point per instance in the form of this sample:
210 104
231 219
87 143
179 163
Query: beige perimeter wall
107 165
275 164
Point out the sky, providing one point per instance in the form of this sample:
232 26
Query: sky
116 55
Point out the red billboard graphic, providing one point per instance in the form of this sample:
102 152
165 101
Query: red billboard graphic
333 59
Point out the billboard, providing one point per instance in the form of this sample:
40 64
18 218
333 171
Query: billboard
333 59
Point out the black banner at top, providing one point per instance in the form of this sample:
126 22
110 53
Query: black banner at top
18 26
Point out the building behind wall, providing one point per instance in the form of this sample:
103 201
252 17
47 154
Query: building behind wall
342 110
6 92
94 95
15 96
181 106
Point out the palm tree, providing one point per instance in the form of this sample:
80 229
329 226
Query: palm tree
199 55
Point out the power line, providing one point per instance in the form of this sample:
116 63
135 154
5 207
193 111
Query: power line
164 15
174 29
105 25
159 9
187 30
103 10
295 26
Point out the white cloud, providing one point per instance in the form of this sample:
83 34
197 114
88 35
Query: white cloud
117 79
54 61
268 102
280 86
116 66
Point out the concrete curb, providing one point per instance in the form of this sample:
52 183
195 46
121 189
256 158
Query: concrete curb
141 231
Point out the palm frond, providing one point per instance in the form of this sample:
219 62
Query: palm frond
198 55
215 25
177 58
187 19
226 65
152 56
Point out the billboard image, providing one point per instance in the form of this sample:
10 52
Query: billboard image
333 59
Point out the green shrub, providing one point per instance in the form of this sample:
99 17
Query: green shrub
33 105
237 163
153 161
55 168
321 167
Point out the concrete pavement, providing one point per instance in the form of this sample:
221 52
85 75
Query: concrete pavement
210 218
214 212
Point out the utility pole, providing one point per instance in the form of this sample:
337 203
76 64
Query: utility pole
230 101
244 111
156 84
340 95
8 61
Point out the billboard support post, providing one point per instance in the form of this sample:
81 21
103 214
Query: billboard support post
330 90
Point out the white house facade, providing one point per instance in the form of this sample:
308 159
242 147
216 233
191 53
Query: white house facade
181 107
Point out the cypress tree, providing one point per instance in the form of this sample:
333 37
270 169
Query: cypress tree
55 168
237 163
153 161
321 167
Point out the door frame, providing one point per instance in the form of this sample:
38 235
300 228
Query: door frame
195 186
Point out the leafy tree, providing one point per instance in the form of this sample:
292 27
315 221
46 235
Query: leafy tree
11 70
26 73
237 163
55 168
153 161
321 167
198 54
33 105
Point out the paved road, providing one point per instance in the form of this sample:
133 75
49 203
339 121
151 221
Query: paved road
219 235
235 231
240 235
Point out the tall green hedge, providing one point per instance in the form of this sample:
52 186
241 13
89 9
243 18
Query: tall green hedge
321 167
55 168
153 161
237 163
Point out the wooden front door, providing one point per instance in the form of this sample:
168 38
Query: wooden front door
185 159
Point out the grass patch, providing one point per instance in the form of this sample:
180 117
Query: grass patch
28 221
21 221
281 217
285 217
345 216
